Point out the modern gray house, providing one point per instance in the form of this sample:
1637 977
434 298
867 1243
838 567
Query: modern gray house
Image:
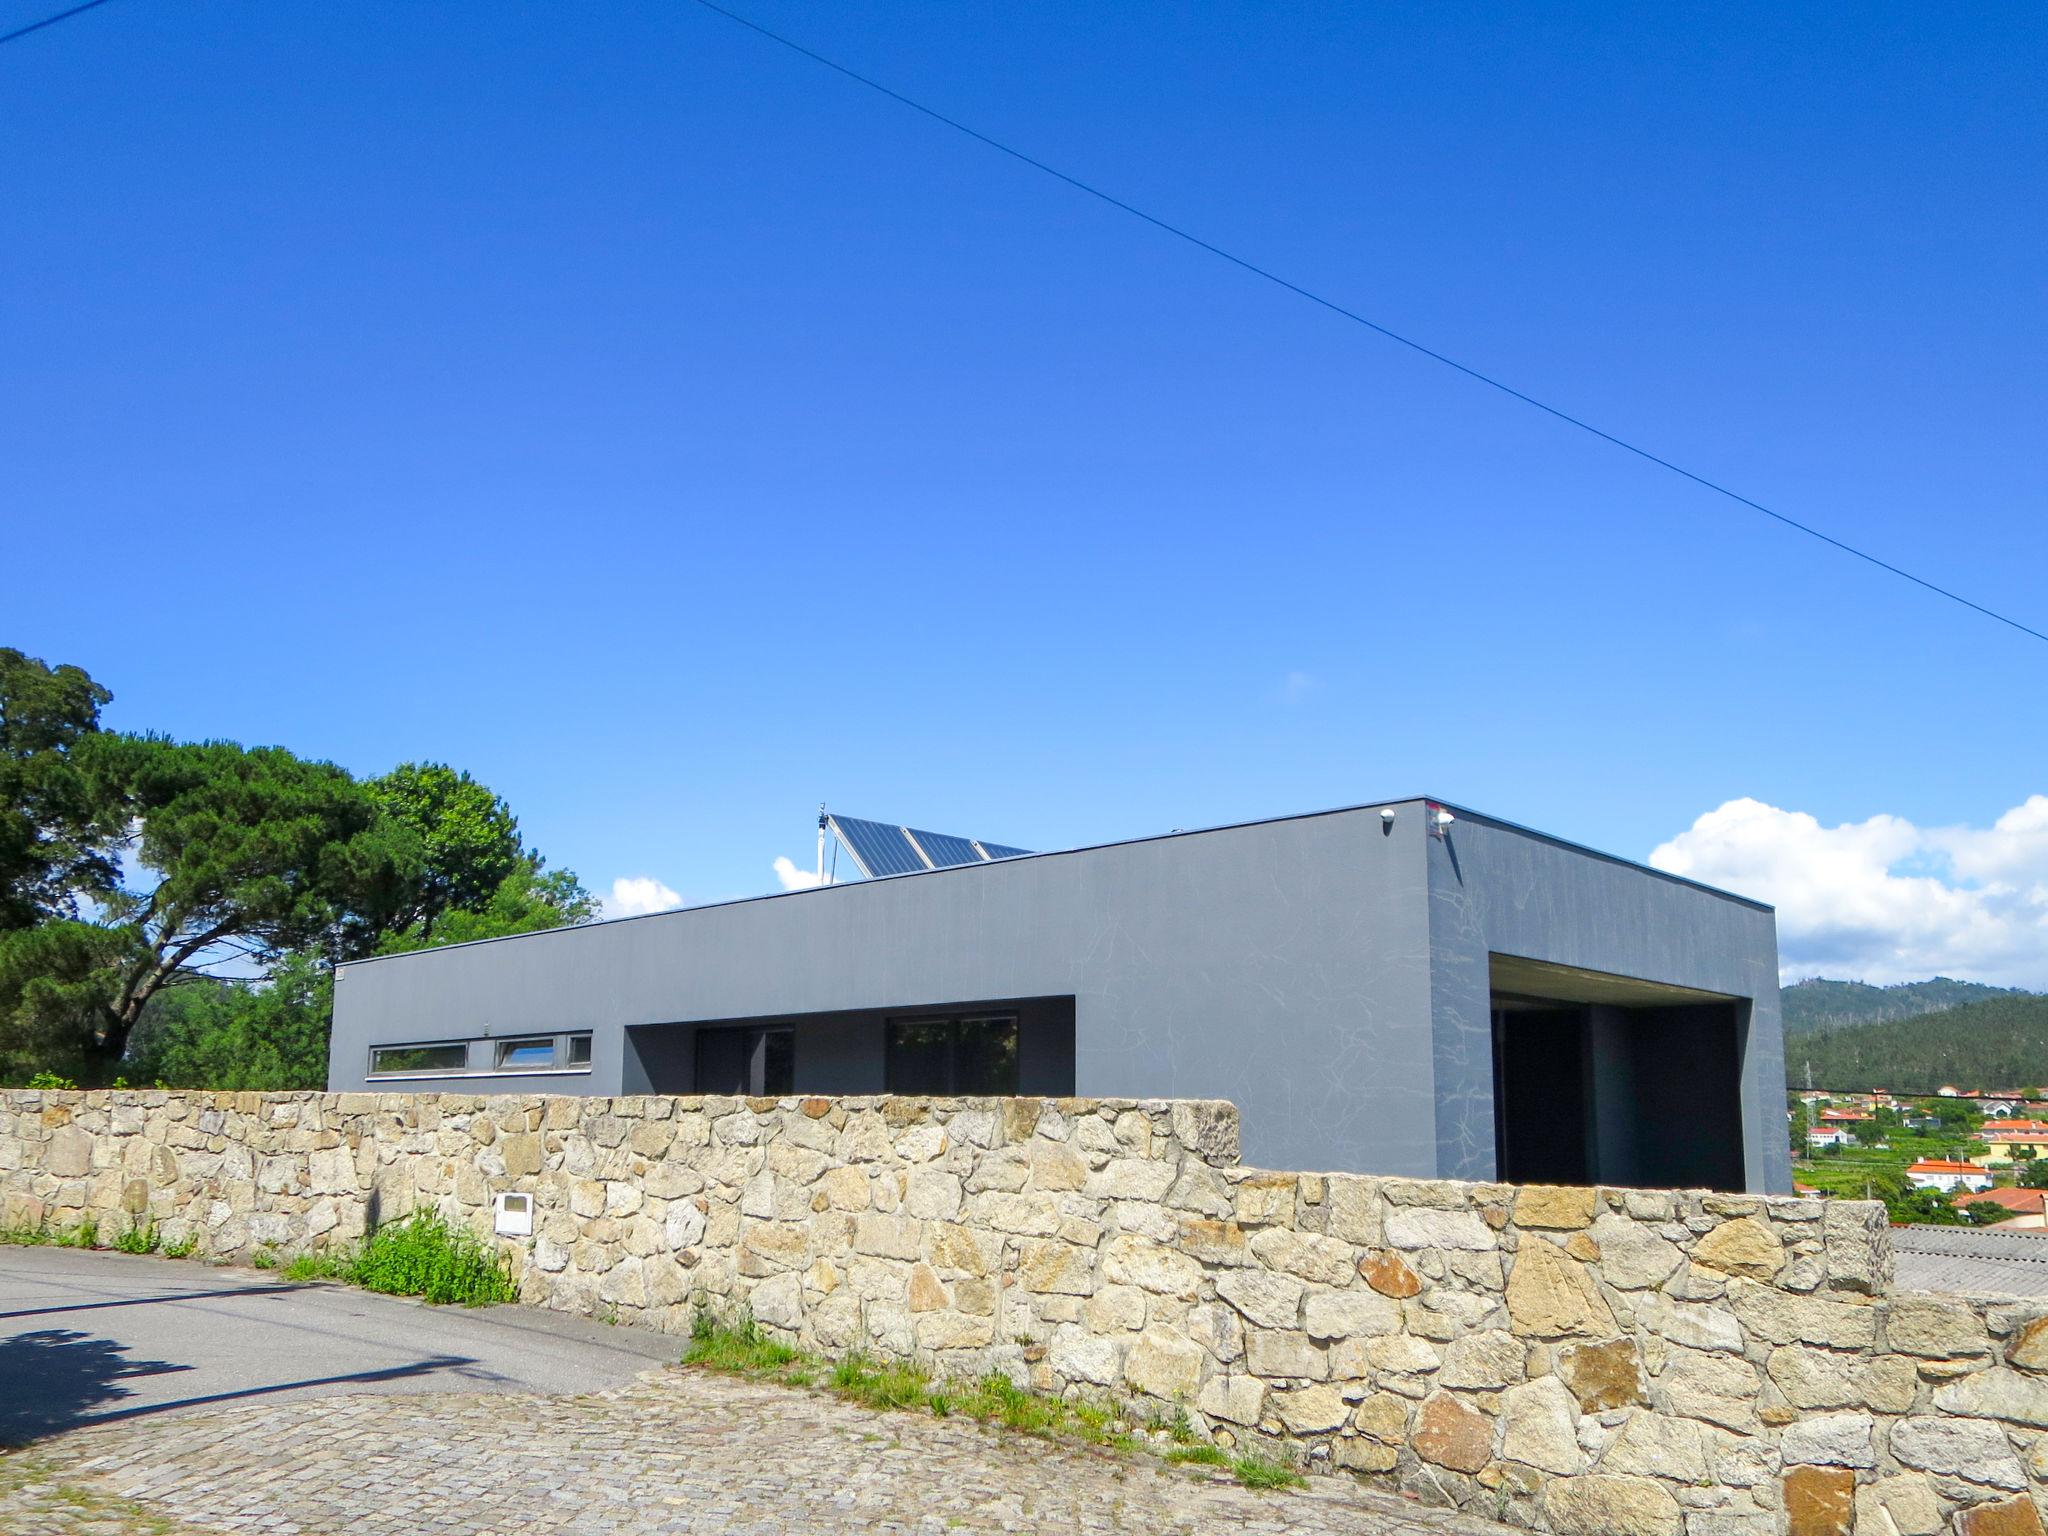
1402 988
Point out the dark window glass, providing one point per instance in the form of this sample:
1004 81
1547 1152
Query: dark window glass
525 1055
985 1057
952 1056
777 1074
419 1058
752 1061
920 1057
579 1051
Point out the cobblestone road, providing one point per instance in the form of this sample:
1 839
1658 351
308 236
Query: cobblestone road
676 1451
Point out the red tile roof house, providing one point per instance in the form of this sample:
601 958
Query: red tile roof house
2025 1209
1937 1173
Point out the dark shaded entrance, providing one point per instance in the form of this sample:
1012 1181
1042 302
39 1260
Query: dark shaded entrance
1605 1080
747 1060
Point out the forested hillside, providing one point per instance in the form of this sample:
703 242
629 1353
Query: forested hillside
1818 1004
2001 1043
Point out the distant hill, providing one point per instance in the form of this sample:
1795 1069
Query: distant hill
2000 1043
1819 1004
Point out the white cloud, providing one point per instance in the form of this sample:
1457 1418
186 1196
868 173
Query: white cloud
1884 900
795 878
634 894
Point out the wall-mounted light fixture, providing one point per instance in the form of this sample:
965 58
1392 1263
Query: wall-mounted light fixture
1386 820
1440 820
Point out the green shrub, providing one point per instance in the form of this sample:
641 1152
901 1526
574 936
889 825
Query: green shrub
50 1080
424 1256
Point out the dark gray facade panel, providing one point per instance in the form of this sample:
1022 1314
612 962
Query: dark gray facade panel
1326 974
1283 966
1496 889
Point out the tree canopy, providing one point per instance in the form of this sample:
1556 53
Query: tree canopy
137 871
55 835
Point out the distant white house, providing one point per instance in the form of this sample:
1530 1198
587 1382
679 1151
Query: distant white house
1829 1136
1948 1177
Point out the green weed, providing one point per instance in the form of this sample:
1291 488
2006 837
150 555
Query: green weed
424 1256
182 1248
738 1347
141 1237
1256 1471
307 1267
879 1384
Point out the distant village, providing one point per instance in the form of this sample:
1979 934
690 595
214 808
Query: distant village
1957 1157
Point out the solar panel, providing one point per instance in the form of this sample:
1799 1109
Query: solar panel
882 849
878 848
945 850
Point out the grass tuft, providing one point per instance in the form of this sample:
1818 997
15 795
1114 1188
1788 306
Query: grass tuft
1256 1471
878 1384
307 1267
141 1237
738 1347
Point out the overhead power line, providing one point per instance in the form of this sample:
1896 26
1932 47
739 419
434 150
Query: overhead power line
49 21
1358 319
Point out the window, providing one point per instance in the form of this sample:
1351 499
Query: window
755 1061
520 1053
964 1056
408 1060
526 1055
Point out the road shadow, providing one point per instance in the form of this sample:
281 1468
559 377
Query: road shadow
58 1379
54 1378
147 1301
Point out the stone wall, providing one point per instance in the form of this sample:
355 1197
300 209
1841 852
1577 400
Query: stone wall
1580 1361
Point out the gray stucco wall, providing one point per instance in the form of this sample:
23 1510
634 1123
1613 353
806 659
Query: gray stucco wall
1283 965
1496 889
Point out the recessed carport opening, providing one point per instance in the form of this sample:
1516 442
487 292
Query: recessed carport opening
1001 1046
1601 1079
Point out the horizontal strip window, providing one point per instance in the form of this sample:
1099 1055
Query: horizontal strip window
405 1060
514 1055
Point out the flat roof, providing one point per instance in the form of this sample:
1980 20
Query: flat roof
1123 842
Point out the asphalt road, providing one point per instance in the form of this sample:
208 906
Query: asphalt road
87 1338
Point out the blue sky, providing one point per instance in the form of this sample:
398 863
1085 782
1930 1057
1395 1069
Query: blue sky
674 435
